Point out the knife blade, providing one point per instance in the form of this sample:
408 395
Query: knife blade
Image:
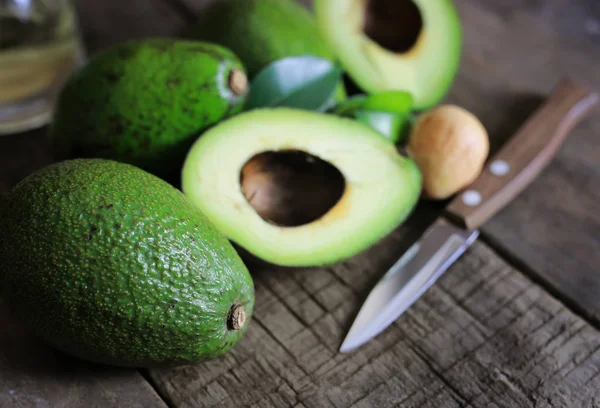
519 161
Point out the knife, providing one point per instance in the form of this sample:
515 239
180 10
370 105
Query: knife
508 172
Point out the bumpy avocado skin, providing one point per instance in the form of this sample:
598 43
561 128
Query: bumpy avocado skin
260 32
113 265
144 102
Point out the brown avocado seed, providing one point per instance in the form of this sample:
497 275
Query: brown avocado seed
450 146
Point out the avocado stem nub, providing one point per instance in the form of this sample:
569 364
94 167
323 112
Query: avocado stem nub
238 82
236 317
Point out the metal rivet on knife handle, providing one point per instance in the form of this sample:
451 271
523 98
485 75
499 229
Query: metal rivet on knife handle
471 198
499 168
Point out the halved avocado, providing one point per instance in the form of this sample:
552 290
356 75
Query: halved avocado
300 188
409 45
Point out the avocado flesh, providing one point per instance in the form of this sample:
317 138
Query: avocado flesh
426 68
144 102
380 187
113 265
261 32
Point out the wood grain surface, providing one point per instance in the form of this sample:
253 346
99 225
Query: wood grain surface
34 375
485 336
514 52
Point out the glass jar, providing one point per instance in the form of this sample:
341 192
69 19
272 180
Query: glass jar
39 48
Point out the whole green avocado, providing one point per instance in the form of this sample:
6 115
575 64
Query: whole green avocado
145 101
260 32
111 264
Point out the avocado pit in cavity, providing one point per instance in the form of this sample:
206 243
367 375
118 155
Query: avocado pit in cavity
393 24
290 188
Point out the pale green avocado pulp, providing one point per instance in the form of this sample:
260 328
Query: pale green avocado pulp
405 45
300 188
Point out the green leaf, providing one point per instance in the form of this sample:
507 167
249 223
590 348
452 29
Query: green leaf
389 113
349 106
390 101
393 126
303 82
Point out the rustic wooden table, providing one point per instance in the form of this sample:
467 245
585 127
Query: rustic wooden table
513 324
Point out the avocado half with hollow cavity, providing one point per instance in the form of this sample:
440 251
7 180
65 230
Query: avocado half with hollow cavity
300 188
407 45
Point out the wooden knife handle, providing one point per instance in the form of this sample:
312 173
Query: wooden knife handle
524 156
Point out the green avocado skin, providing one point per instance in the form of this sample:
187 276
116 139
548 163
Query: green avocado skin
144 102
111 264
260 32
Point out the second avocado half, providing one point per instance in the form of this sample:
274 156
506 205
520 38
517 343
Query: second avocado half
403 45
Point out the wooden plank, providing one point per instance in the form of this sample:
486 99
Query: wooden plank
31 373
514 52
484 336
34 375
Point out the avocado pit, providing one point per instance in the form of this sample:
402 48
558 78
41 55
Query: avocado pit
393 24
290 188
